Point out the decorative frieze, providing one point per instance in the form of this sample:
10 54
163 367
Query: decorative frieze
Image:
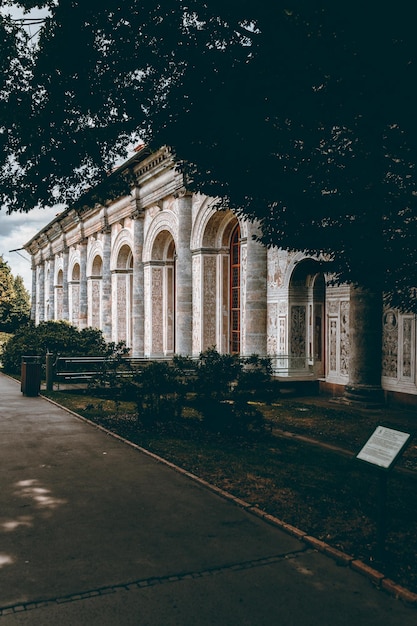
390 345
344 338
210 300
298 331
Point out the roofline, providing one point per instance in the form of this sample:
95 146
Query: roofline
135 158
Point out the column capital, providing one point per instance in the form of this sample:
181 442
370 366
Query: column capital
137 213
183 193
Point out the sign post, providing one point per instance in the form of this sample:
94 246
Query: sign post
382 450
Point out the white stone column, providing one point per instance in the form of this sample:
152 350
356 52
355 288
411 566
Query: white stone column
65 286
82 317
41 302
138 310
255 306
51 288
34 283
106 291
365 347
184 276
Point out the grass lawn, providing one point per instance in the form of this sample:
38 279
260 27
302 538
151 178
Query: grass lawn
321 489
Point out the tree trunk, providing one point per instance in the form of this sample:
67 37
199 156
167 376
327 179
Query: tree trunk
365 361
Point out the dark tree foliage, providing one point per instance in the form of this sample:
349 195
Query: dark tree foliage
14 300
300 117
60 338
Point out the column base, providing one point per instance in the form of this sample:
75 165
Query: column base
364 396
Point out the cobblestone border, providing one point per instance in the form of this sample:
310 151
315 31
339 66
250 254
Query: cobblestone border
149 582
377 578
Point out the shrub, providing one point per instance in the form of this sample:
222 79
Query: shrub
156 397
254 379
51 336
216 374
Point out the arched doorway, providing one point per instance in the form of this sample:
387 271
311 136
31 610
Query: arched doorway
217 284
306 331
123 275
163 295
94 297
59 295
75 294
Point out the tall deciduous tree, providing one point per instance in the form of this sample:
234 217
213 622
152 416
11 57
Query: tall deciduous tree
14 300
302 118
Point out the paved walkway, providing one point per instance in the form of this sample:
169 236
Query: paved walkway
95 532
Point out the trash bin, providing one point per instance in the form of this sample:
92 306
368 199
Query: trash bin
31 375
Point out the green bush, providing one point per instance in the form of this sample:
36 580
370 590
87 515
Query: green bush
56 337
254 379
156 394
216 374
225 386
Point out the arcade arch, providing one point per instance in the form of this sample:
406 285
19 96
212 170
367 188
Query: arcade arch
306 320
122 290
160 337
217 283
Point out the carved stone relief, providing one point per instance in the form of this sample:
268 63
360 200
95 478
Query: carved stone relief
59 302
344 337
407 340
390 345
75 304
170 309
333 307
272 329
298 333
95 302
209 307
157 311
333 345
196 269
121 307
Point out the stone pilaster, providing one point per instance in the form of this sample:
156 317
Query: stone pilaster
41 301
106 310
82 317
138 308
184 276
51 288
65 286
34 283
365 340
255 306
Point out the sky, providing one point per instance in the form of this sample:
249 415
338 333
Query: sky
16 230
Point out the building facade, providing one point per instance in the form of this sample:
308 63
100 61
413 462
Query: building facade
167 273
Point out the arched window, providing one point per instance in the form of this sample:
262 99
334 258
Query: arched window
95 287
235 291
75 295
123 281
163 295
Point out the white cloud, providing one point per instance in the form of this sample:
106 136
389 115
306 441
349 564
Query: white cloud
16 230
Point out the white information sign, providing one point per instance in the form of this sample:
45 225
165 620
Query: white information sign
383 446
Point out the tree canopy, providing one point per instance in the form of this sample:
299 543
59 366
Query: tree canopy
302 118
14 299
